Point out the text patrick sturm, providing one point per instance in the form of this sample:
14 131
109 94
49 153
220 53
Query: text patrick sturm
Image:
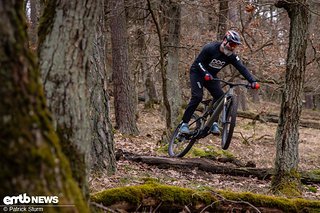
25 199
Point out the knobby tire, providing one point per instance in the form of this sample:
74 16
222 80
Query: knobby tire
228 127
186 143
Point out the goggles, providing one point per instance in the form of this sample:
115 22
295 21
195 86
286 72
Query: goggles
232 44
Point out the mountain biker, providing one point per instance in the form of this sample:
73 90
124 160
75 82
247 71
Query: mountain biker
212 58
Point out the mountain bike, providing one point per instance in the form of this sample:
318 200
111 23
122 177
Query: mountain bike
224 111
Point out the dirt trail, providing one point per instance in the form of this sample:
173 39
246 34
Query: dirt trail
252 142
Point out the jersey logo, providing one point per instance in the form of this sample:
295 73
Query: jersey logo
215 63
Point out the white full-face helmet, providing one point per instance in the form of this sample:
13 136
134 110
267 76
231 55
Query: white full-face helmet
230 41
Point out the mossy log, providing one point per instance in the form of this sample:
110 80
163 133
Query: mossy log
155 197
273 118
212 166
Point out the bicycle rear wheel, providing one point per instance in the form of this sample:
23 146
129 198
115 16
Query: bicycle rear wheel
228 122
180 144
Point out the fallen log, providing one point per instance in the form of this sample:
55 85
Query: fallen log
273 118
211 166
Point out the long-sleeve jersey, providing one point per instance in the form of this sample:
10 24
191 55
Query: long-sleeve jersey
211 59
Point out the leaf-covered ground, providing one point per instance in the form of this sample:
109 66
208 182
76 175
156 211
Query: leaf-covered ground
253 141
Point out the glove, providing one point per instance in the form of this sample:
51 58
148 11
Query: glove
254 85
208 76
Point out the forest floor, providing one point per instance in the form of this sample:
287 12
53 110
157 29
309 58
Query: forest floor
252 141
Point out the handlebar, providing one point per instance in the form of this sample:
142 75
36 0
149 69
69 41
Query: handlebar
231 84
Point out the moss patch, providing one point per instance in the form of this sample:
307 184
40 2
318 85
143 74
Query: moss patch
284 204
209 151
167 195
173 196
287 183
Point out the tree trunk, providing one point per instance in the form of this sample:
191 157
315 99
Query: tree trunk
161 59
102 148
223 18
124 92
150 92
66 38
31 158
173 94
234 13
286 179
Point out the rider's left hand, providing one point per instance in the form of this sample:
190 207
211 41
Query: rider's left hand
254 85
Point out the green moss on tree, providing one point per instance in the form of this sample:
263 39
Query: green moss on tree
76 159
47 20
288 184
31 157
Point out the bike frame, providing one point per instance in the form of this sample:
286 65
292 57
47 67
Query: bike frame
223 111
215 109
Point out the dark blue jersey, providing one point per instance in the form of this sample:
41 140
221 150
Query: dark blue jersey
213 60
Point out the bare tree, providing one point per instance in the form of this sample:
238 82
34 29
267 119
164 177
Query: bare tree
139 51
286 178
102 148
31 157
223 18
124 91
171 87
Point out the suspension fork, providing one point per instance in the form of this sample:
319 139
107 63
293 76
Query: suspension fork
228 95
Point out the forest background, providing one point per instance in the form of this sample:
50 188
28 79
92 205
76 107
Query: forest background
92 52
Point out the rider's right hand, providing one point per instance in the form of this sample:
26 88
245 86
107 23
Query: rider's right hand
208 76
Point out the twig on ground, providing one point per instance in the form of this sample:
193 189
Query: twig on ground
234 201
245 139
102 207
158 207
138 208
187 209
211 205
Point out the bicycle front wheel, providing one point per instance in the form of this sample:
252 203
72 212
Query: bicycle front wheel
180 144
229 115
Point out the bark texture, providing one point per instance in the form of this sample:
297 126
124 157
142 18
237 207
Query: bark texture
124 91
286 178
66 38
223 18
31 158
173 93
102 148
